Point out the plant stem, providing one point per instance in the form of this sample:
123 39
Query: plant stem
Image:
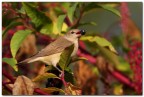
10 77
6 87
122 78
63 80
67 21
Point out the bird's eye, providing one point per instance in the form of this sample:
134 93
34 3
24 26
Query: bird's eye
72 32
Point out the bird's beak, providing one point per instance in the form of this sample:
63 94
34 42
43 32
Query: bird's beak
82 32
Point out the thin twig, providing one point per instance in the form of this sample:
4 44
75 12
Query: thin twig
68 22
7 75
6 87
7 82
63 80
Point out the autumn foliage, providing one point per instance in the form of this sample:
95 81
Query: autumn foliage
106 63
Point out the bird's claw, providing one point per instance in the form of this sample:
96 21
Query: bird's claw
61 74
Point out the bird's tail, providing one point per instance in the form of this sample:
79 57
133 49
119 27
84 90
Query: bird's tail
25 61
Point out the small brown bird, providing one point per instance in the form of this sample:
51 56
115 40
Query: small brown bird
51 53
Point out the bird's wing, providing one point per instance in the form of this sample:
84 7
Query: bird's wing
55 47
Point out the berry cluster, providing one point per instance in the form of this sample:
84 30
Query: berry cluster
135 58
7 8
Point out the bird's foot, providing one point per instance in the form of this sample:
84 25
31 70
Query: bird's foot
61 74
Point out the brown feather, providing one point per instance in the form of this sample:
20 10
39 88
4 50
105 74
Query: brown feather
55 47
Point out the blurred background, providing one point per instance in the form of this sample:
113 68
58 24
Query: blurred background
110 54
135 11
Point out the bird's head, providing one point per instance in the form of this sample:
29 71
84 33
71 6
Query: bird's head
75 33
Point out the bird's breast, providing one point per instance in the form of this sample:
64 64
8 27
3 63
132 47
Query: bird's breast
51 59
75 48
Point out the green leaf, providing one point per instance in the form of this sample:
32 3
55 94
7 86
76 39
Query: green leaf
21 11
100 41
44 76
60 22
69 77
102 44
78 59
46 29
65 57
118 89
124 66
90 6
111 9
95 70
71 11
37 17
11 25
66 5
115 60
47 68
12 62
89 23
109 55
17 39
49 90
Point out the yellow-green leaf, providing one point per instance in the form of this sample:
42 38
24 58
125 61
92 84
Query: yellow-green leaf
60 22
49 90
88 23
95 70
79 58
102 44
17 40
100 41
47 68
71 11
44 76
118 90
46 29
110 8
12 62
115 60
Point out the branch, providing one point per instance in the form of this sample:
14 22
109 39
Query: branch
67 21
122 78
6 87
7 75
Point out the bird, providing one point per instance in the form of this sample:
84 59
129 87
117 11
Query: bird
51 53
